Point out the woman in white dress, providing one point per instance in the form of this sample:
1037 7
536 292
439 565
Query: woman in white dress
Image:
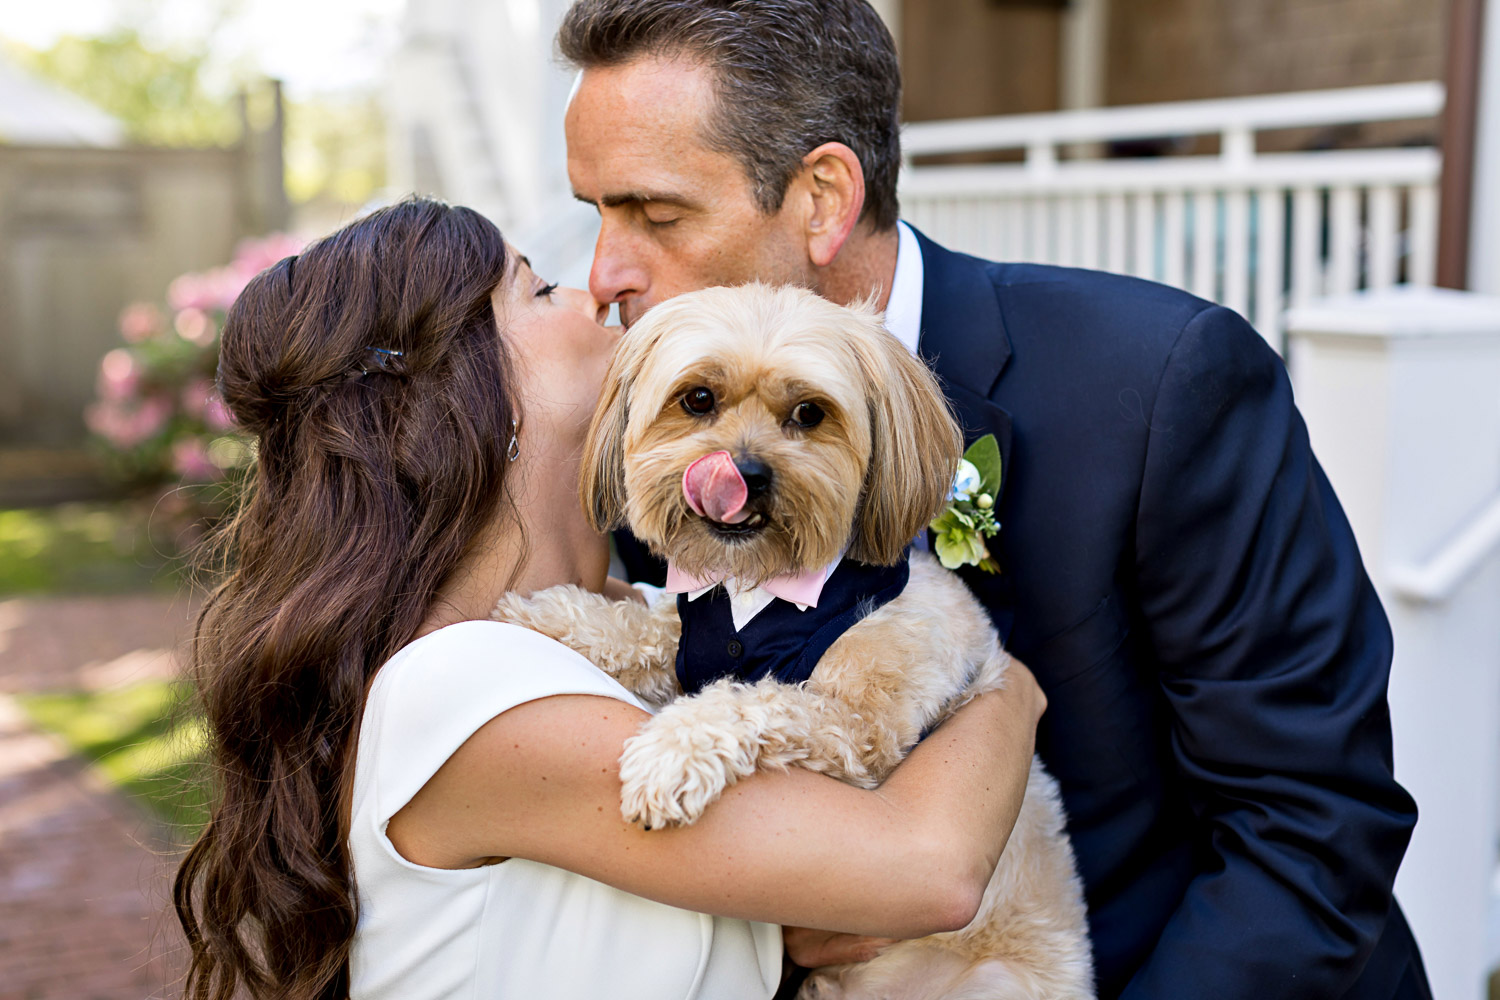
415 802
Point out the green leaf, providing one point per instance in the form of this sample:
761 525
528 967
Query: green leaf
985 456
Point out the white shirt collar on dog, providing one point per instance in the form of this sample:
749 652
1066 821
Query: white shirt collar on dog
746 603
903 313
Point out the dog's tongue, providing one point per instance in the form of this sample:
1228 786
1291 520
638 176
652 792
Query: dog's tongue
715 489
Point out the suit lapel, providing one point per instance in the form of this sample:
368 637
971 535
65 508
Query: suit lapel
964 342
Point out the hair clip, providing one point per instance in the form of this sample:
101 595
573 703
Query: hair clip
381 359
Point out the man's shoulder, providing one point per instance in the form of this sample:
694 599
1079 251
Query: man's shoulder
1039 299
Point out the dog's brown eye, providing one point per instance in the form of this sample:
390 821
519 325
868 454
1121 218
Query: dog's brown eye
699 401
807 415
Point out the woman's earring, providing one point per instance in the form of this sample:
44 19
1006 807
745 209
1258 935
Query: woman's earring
514 451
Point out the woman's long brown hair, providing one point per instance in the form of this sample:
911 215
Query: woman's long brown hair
376 471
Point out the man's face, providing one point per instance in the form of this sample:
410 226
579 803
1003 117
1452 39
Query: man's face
675 215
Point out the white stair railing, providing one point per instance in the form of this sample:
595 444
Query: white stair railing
1256 231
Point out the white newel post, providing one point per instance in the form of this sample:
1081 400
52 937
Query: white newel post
1401 392
1484 227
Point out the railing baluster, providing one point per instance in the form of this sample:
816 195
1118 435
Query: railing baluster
1307 213
1115 240
1038 232
1143 262
994 228
1067 231
1270 231
1343 240
1237 250
1174 239
1383 236
1422 235
1092 237
1205 244
1015 230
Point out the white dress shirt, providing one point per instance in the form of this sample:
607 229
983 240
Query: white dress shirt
903 312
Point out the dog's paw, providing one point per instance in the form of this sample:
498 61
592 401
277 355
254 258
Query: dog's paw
677 766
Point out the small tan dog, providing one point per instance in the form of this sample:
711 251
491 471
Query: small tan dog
756 434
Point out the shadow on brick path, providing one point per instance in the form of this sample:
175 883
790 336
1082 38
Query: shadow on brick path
84 874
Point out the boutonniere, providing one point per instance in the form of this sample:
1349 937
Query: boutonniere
969 519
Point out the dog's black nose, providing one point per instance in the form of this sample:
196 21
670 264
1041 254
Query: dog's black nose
756 474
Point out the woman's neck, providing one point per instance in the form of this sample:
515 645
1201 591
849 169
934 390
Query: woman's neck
537 539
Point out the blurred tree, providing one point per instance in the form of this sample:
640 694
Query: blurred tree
157 93
335 143
335 150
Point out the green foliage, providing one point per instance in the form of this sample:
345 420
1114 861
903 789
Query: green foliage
960 530
334 144
141 739
80 548
335 149
157 93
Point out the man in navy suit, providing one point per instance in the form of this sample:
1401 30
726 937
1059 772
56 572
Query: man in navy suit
1175 568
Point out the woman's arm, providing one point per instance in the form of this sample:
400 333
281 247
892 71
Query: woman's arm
912 857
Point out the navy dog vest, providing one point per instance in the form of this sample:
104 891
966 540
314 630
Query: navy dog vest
781 641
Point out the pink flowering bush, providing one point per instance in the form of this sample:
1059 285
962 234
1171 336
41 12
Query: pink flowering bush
158 417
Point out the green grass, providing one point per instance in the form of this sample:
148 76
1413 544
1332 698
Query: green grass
81 549
141 740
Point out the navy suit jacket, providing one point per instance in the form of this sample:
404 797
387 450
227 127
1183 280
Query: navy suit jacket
1180 577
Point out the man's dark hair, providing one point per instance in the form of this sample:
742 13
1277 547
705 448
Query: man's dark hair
790 76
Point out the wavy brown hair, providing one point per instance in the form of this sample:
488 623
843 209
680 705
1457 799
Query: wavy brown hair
376 472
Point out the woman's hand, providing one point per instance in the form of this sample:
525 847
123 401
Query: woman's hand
813 949
1021 683
618 590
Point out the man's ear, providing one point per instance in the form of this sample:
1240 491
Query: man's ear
834 182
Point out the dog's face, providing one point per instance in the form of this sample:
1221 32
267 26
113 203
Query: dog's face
840 439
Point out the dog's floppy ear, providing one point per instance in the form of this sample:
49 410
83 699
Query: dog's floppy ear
915 449
601 477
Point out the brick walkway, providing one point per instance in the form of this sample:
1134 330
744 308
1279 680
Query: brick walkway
84 875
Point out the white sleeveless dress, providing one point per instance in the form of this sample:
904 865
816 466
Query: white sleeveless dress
517 929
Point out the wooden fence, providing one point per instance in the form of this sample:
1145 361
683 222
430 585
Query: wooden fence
83 233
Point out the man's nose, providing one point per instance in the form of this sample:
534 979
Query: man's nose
618 273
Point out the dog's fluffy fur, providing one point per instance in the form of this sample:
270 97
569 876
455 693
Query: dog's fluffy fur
862 481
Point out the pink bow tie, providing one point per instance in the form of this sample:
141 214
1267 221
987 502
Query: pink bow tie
798 588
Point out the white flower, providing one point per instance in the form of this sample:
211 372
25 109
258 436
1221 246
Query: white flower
966 482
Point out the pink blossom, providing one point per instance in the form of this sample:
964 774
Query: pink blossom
140 321
217 289
119 375
201 401
190 459
216 414
193 325
126 425
195 397
188 292
255 255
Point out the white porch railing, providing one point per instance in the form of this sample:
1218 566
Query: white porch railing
1256 231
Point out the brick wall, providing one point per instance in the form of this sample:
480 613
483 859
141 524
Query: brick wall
983 57
961 58
1172 50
